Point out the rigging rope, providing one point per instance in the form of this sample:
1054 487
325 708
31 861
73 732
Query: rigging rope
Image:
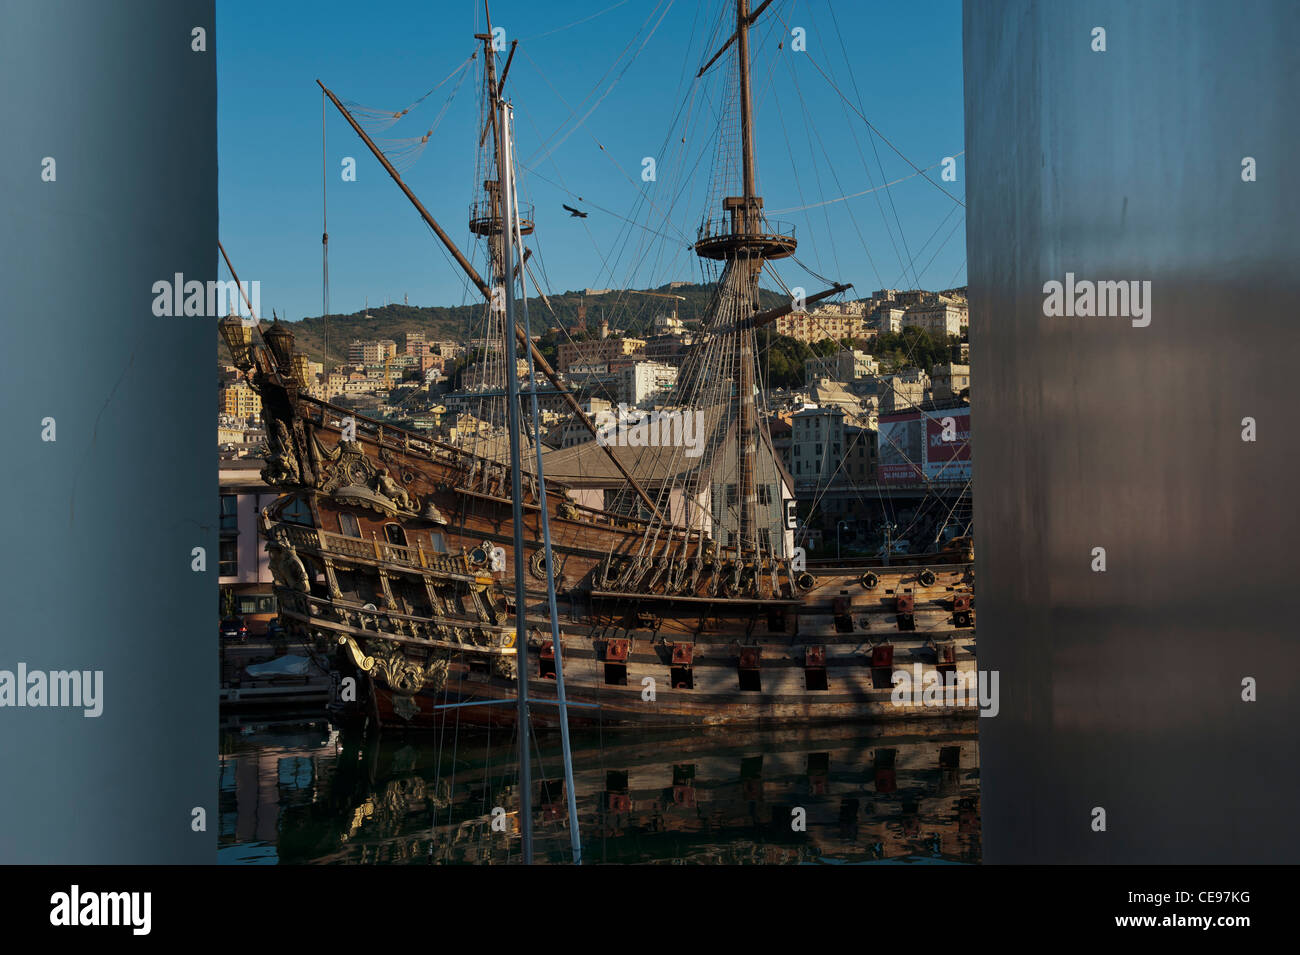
867 192
375 120
862 116
325 243
570 26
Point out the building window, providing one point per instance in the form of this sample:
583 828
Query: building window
348 524
395 534
297 511
439 542
255 603
228 559
229 513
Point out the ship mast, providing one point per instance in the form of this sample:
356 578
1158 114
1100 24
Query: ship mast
746 110
516 494
503 197
514 223
744 248
748 536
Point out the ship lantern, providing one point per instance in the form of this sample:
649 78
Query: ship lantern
280 340
239 339
301 373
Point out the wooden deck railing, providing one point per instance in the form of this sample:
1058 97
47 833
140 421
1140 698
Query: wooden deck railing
374 549
324 415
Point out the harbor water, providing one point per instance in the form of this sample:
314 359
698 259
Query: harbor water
296 790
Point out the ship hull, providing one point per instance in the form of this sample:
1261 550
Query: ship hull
405 591
431 711
839 658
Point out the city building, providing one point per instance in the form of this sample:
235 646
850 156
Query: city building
573 431
239 400
243 572
823 323
940 318
860 442
594 351
905 390
817 444
370 353
887 318
949 380
847 364
669 349
668 325
642 381
415 344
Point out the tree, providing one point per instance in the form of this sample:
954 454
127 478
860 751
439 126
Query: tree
913 346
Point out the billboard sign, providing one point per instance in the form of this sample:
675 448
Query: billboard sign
948 446
899 460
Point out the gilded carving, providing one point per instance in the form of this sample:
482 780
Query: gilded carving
406 676
359 659
504 666
385 485
286 566
281 461
350 467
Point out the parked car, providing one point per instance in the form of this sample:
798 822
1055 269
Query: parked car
275 629
258 610
234 628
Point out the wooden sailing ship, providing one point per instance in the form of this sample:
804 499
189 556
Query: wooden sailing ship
393 552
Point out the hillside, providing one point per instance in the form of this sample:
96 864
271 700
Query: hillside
626 312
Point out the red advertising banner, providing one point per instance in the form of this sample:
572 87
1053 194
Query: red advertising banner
948 446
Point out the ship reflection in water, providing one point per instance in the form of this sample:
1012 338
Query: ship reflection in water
299 792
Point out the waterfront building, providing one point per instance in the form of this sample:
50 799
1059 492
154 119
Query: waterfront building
243 571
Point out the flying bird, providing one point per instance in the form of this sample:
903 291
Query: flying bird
574 212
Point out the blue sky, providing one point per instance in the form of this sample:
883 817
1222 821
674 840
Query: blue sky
629 69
